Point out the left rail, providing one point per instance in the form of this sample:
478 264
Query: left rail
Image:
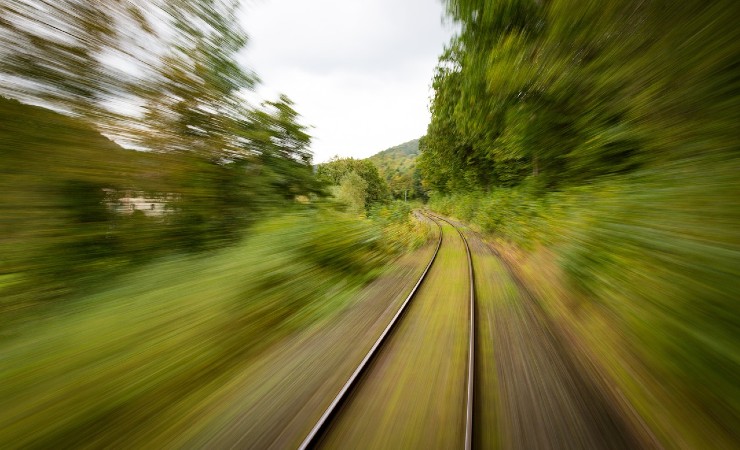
315 434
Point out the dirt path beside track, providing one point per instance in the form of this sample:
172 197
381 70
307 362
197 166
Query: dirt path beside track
535 391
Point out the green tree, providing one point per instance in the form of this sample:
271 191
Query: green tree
213 160
275 141
54 52
538 102
352 191
333 172
193 104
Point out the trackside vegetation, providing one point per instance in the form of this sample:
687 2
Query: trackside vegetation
125 360
200 163
147 257
597 142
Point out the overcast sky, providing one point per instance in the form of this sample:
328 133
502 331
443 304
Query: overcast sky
358 70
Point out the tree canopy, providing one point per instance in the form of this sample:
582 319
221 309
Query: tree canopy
566 91
160 77
335 171
600 139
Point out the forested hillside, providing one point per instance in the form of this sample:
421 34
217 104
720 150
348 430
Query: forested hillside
598 142
397 165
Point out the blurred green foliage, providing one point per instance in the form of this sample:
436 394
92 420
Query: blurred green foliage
401 230
356 195
78 207
352 191
569 91
174 260
608 133
68 190
118 365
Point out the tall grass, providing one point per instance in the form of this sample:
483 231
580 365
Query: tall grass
141 353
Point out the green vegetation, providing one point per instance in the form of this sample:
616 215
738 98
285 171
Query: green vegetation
78 207
356 182
596 142
357 187
155 346
397 165
604 136
400 231
171 267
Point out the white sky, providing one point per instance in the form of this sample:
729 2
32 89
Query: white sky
359 71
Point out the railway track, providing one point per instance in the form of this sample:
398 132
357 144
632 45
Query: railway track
355 381
471 343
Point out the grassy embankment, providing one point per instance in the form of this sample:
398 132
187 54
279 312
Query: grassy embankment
644 270
155 344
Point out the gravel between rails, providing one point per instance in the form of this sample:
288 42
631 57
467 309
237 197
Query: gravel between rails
414 393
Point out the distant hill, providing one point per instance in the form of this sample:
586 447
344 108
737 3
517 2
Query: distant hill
407 148
398 166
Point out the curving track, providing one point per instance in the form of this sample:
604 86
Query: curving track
471 342
399 394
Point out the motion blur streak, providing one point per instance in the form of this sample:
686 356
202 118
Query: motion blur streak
109 77
156 230
130 363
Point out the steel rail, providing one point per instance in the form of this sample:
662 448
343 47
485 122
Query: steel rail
312 438
471 343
